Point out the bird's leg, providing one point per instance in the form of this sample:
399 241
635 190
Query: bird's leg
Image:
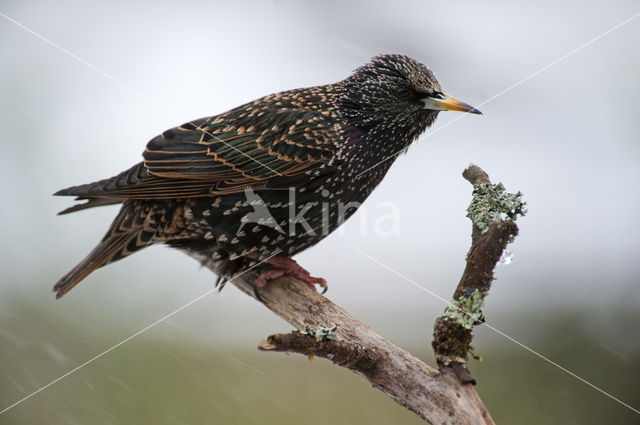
287 266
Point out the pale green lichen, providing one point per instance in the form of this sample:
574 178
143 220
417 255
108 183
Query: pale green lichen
321 332
491 203
468 310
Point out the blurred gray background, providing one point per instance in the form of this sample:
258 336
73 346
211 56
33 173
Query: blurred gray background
567 138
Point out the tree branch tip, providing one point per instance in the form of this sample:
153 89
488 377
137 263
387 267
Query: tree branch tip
298 342
476 175
266 346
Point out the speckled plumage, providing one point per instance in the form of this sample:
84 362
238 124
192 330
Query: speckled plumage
190 192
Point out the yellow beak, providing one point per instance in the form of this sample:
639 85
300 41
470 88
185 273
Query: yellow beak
448 103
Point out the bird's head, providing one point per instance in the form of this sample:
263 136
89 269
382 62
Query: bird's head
395 96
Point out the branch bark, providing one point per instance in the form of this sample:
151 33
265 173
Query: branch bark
493 213
440 396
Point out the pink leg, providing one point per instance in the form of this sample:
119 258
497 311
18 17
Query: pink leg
287 266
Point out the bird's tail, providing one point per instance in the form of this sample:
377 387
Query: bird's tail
125 236
103 254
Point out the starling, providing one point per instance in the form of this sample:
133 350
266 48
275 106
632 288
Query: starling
253 186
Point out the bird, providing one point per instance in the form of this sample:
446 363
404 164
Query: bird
250 188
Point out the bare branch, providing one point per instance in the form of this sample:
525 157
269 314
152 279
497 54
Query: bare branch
444 396
392 369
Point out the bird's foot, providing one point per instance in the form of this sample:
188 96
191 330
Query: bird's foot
265 275
287 266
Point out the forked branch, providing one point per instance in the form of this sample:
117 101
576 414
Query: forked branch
440 396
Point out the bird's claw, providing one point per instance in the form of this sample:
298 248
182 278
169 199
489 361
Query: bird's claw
287 266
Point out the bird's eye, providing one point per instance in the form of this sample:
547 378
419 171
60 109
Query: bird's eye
404 93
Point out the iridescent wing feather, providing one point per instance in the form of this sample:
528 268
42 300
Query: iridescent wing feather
225 154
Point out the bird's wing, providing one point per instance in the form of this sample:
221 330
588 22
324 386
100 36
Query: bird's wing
266 149
261 149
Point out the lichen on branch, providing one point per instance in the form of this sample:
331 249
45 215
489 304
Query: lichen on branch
467 311
492 203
